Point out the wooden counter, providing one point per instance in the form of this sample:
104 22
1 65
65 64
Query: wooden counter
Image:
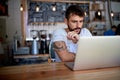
56 71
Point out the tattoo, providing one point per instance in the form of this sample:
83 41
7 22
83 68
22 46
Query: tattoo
59 45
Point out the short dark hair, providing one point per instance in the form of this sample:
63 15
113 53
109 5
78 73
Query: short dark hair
74 9
113 26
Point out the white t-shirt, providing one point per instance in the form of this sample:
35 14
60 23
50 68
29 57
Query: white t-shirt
60 35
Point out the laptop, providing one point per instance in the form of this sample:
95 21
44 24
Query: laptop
96 52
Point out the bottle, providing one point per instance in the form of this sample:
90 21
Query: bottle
35 47
16 42
43 46
47 43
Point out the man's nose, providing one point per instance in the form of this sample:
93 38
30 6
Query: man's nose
78 24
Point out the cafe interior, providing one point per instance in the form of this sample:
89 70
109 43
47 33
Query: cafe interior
26 28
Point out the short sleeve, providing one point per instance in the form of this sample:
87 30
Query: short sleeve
85 32
59 35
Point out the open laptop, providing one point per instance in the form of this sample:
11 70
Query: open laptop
96 52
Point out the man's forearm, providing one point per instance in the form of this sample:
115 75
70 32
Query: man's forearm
61 49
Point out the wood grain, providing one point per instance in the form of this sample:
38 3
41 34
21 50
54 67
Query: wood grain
56 71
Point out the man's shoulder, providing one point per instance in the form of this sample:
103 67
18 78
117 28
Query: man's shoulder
85 30
59 30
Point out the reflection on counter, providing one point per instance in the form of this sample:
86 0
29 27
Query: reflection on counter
30 59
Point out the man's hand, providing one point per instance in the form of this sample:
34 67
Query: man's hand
73 36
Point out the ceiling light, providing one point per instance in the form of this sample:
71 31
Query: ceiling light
37 8
21 7
112 13
85 13
54 7
99 12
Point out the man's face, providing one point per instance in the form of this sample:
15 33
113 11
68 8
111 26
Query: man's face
114 29
75 23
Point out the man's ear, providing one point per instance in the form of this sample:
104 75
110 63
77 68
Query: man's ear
65 21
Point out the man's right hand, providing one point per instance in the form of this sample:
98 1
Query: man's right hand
73 36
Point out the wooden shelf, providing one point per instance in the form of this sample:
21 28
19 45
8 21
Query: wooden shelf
98 20
96 10
31 56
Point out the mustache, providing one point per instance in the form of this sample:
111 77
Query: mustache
76 29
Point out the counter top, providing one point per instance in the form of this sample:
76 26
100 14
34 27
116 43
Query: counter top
56 71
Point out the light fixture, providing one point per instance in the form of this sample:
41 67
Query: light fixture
37 9
99 12
54 7
21 7
112 13
85 12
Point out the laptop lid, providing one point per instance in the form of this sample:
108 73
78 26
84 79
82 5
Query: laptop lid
97 52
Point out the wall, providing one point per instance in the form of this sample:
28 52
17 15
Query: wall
116 8
13 20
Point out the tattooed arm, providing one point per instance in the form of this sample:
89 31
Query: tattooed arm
61 50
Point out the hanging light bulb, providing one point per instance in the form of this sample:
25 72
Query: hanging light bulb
21 7
54 7
85 13
112 13
85 9
37 8
99 12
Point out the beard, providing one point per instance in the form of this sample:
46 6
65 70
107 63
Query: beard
77 30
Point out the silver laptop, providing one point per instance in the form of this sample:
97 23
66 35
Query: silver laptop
96 52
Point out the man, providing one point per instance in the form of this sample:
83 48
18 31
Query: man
65 40
110 32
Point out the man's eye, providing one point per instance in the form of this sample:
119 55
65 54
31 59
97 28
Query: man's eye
81 21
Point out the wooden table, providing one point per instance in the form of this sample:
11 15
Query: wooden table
56 71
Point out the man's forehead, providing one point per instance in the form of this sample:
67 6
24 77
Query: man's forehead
76 18
74 15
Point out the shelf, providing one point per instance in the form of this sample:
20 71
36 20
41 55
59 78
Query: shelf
99 29
31 56
98 20
96 9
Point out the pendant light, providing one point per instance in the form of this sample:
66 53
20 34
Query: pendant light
85 13
112 14
21 7
85 9
54 7
37 9
99 12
